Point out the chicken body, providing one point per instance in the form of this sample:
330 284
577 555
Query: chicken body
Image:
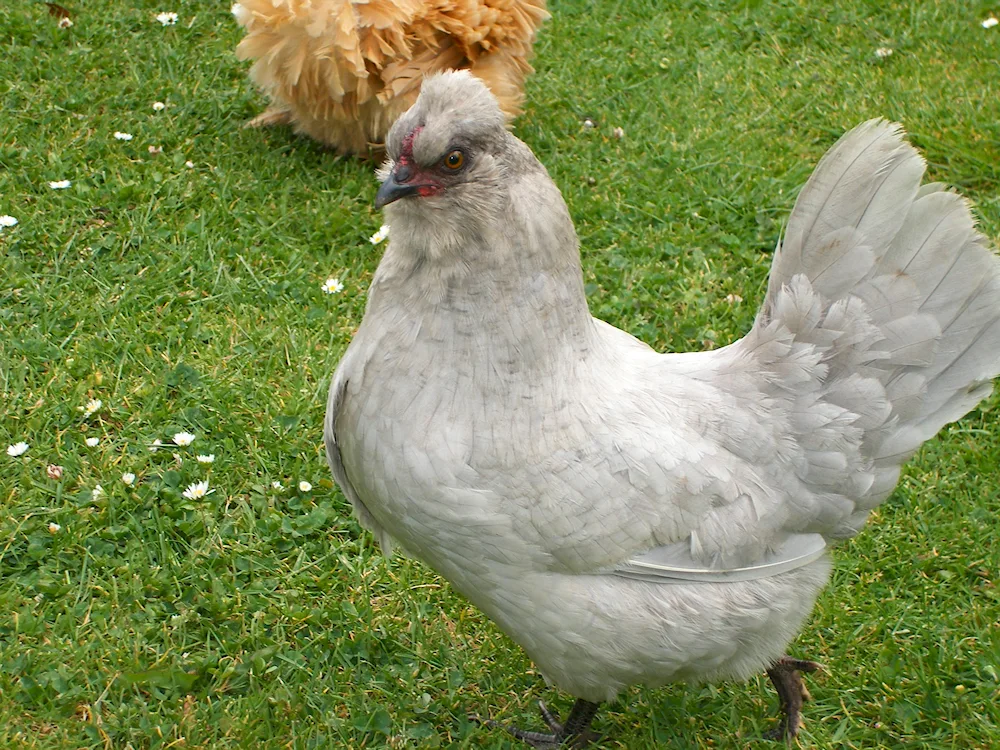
342 71
509 528
532 455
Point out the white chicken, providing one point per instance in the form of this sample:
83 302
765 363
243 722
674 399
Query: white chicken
342 71
628 516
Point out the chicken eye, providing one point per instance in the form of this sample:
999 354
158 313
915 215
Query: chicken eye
454 160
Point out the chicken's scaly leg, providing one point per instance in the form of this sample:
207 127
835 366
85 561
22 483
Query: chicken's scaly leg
786 676
572 733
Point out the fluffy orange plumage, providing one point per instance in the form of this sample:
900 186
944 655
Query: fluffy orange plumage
342 71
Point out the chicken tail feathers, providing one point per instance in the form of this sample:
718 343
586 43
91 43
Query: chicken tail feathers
882 314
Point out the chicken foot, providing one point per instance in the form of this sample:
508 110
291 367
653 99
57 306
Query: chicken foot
786 676
573 733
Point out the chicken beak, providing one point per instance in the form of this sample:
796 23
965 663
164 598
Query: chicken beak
395 186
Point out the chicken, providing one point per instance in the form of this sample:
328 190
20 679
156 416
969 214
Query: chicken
626 516
342 71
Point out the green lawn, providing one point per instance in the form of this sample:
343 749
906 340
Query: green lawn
188 298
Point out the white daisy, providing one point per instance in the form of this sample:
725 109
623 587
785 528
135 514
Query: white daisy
159 106
332 286
189 164
380 235
17 449
304 486
128 478
7 221
92 406
990 22
732 299
883 52
203 459
120 136
156 445
60 184
167 19
54 527
183 439
92 442
277 485
97 492
65 23
197 491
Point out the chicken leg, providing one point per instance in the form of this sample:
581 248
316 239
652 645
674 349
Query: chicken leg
786 676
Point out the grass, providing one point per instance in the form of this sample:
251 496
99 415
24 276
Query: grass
188 298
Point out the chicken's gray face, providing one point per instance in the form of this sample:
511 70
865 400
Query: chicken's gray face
407 177
447 150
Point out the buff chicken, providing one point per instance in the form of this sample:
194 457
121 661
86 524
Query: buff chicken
342 71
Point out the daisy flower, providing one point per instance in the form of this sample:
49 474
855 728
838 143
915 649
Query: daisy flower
380 235
17 449
156 445
197 491
167 19
332 286
304 486
120 136
183 439
159 106
203 459
128 478
60 184
97 492
277 485
7 221
92 442
92 406
883 52
189 164
54 471
990 22
54 527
